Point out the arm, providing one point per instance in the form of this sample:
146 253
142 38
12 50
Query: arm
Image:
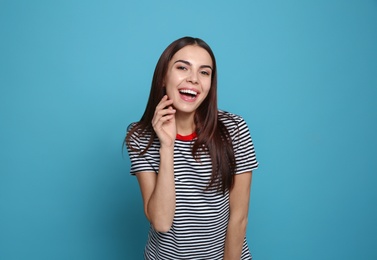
158 190
239 206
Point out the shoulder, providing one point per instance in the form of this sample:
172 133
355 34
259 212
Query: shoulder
231 121
137 136
236 126
225 115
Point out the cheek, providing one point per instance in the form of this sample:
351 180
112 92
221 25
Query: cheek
172 80
207 85
168 91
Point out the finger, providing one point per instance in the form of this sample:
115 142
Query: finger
158 125
162 114
164 103
164 108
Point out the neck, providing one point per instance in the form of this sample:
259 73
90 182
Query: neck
185 123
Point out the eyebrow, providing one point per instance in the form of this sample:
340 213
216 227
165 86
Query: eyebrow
188 63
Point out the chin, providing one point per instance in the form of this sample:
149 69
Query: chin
186 110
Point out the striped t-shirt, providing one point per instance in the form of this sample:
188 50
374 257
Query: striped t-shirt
201 216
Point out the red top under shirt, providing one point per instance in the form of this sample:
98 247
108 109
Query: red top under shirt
189 137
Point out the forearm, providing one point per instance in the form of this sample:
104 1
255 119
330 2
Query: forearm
161 205
235 236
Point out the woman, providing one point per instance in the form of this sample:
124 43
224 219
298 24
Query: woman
193 162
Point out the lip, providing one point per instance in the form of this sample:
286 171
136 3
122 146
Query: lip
190 89
188 98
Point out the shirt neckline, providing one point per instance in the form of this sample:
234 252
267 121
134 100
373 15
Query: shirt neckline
189 137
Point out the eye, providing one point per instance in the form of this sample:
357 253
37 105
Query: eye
181 68
206 73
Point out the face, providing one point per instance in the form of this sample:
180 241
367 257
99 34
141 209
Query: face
188 79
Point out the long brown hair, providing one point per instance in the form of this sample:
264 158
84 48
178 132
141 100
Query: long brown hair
212 135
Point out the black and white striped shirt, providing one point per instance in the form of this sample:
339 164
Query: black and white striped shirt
201 216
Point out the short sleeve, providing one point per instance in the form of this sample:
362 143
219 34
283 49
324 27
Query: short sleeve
146 162
243 148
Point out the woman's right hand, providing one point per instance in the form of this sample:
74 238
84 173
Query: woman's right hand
163 122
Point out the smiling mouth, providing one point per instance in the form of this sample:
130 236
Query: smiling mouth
188 92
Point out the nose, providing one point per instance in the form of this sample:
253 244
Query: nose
193 78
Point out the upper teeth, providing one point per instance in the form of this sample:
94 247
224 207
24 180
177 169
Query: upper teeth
188 91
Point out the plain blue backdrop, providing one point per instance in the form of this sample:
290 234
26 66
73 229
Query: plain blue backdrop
74 74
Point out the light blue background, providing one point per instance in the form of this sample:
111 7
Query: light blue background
74 74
